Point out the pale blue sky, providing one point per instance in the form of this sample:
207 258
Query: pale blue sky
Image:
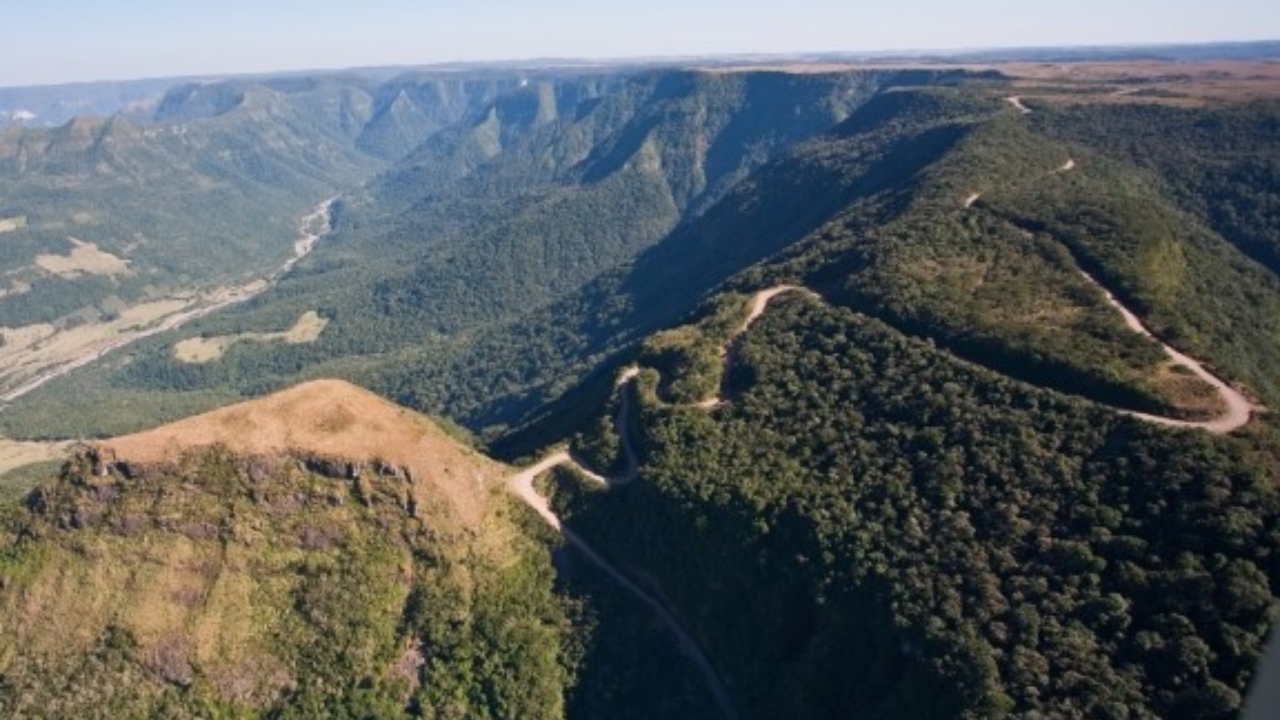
65 40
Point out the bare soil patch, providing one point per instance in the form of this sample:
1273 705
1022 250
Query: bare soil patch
307 330
1189 392
85 258
200 350
25 336
34 354
11 224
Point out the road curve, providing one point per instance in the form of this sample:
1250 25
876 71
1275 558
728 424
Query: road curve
1239 409
521 484
759 303
622 426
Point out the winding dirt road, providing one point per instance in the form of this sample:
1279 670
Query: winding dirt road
1239 409
622 426
521 484
1239 412
761 301
728 351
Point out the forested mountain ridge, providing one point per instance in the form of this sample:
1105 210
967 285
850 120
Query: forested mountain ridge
556 185
913 486
921 521
897 520
50 106
1222 166
976 523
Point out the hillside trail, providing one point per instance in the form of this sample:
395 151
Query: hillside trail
522 486
522 483
729 350
1016 101
1239 408
311 228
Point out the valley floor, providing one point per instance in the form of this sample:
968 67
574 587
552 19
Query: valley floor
37 355
33 356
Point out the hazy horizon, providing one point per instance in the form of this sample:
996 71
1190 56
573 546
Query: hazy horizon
82 41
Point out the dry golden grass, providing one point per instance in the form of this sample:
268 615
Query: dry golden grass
145 314
187 604
1188 392
200 350
1147 82
14 455
229 652
337 419
64 609
153 613
307 330
25 336
10 224
84 259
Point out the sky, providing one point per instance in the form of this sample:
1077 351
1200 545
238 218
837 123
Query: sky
52 41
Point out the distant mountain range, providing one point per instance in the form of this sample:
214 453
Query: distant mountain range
52 105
